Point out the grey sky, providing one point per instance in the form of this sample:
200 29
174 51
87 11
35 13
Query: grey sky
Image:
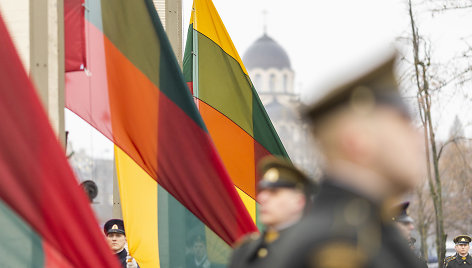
322 37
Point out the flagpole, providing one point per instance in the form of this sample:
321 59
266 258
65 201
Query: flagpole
116 212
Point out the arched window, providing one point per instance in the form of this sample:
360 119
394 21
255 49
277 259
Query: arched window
285 83
258 82
272 83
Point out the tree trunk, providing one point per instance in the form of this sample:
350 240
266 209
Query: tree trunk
432 157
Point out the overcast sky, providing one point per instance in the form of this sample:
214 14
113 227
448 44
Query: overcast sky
323 37
318 36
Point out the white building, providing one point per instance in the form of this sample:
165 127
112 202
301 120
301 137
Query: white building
269 67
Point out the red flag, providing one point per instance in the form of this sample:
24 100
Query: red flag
74 35
36 182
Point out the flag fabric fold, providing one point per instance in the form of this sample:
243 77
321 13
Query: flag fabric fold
45 216
227 100
134 93
74 35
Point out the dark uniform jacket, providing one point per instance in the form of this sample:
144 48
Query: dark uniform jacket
345 229
259 250
122 257
458 261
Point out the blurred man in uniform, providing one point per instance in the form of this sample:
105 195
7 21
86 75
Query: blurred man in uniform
372 157
114 230
283 193
404 223
198 258
462 257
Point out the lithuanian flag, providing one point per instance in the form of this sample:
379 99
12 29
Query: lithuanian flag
227 100
175 191
45 217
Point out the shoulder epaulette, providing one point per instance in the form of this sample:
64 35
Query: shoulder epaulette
450 258
246 239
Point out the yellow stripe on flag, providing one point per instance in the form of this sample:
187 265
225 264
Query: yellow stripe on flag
207 21
249 203
138 194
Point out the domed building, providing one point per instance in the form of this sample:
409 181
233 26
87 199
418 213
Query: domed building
269 67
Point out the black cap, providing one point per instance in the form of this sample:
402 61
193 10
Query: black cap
401 213
114 226
462 239
280 173
372 83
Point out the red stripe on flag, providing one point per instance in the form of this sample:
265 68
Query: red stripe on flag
198 186
53 259
36 180
91 105
190 86
74 35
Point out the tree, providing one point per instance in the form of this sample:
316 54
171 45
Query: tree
422 211
457 130
444 5
463 75
424 82
440 203
456 171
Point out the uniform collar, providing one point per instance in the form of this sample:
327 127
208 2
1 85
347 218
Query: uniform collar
467 259
122 253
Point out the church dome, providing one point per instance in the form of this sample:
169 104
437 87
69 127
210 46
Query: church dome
265 53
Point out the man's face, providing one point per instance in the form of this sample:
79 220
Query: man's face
280 205
199 250
405 228
399 149
116 241
462 249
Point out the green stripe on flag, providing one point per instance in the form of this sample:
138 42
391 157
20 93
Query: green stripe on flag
264 132
170 75
127 26
223 84
188 55
178 231
20 246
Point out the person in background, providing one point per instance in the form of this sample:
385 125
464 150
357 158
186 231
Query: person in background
462 257
403 221
283 192
198 258
373 155
405 225
114 230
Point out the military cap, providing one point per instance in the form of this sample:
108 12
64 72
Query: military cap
401 213
114 226
369 83
462 239
279 173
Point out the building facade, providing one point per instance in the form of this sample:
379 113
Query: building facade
270 70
